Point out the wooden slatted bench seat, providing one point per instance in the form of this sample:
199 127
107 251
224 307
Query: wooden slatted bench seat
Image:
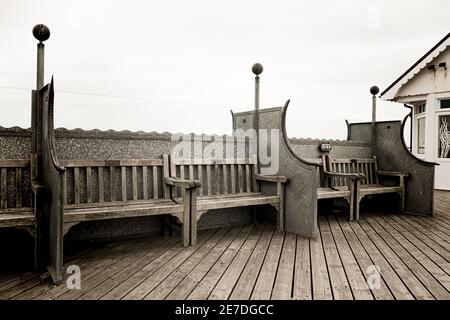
227 183
344 189
15 194
368 183
111 189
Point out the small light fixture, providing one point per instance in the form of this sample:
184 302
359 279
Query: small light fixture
431 67
326 147
443 65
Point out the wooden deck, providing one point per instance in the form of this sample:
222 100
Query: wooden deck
256 262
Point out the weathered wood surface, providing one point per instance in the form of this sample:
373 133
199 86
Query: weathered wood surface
256 261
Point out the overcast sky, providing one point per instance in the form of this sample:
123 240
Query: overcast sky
180 66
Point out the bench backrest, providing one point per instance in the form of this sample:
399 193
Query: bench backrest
15 185
366 166
217 177
109 181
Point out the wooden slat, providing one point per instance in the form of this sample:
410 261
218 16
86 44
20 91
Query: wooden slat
233 178
64 191
124 182
134 182
18 187
225 178
209 179
76 185
112 163
112 187
88 185
144 182
248 181
155 182
14 163
217 178
200 178
101 185
241 178
3 188
166 173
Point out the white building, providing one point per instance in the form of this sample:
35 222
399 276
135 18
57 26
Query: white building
425 87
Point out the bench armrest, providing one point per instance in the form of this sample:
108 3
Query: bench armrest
36 186
182 182
355 176
392 174
281 179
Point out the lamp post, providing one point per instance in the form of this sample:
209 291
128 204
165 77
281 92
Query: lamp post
257 69
374 91
41 33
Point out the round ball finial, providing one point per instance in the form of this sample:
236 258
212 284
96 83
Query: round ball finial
374 90
257 68
41 32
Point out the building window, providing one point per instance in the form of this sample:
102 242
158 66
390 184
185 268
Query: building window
421 108
421 135
445 104
444 136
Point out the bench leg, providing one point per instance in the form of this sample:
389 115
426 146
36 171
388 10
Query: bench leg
357 201
193 218
280 219
402 194
186 227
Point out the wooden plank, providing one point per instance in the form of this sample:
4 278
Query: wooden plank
320 278
225 178
18 187
283 288
76 185
369 256
200 178
193 278
88 185
233 178
172 281
112 163
134 182
240 179
112 187
415 260
19 163
150 252
264 284
244 286
3 188
124 183
166 173
408 277
152 280
101 186
223 288
302 274
209 281
209 179
155 182
144 182
355 276
338 278
217 179
65 188
248 181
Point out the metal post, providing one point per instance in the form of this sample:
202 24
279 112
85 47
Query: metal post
374 91
257 70
40 66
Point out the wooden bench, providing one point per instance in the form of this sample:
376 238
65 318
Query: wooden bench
368 182
344 189
227 183
16 203
110 189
